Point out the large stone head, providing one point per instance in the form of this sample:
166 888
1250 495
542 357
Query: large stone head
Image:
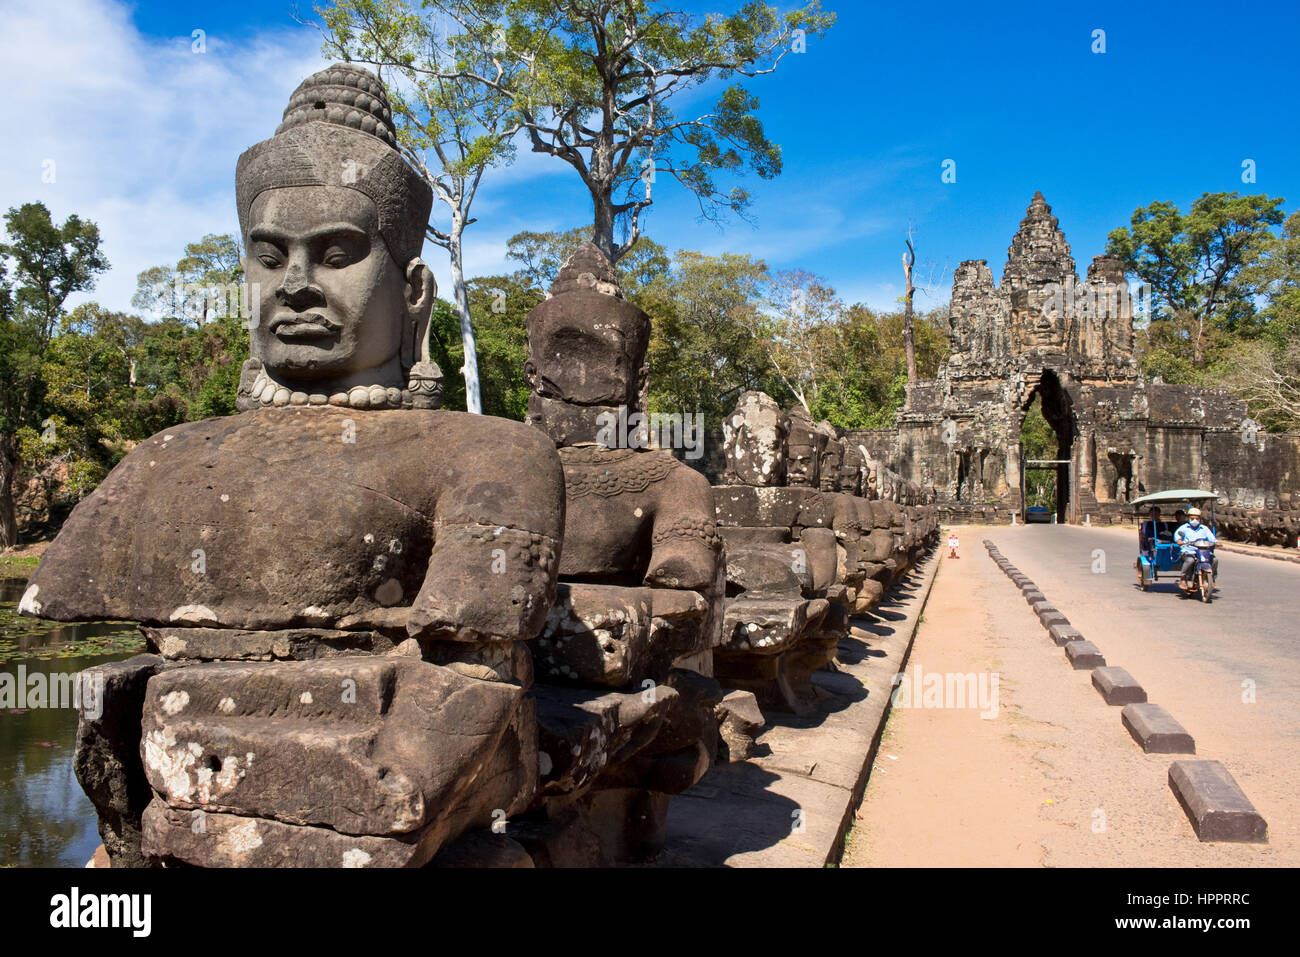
852 467
586 352
333 220
754 437
832 457
804 445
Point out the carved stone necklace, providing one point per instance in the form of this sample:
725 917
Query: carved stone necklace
266 392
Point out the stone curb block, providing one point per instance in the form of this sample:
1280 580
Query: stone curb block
1156 731
1052 616
1117 686
1084 655
1063 634
1219 810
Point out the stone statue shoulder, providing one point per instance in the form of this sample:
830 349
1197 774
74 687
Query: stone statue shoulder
290 517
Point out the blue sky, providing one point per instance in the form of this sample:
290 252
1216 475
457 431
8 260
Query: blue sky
144 132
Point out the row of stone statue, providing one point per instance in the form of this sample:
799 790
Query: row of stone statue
1271 525
383 634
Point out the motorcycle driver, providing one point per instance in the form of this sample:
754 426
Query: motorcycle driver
1189 536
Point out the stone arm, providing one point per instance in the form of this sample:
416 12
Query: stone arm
497 536
686 550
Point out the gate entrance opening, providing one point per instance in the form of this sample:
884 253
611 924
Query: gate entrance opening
1046 446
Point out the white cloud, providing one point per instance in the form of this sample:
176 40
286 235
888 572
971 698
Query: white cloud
143 133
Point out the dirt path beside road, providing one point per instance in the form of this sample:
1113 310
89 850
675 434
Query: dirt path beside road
1053 780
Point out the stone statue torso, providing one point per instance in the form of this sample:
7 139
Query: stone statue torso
282 518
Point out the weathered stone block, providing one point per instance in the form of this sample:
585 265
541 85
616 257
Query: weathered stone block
1117 686
1084 655
747 505
1063 634
239 644
107 758
736 536
581 731
615 637
1217 807
405 740
1155 730
739 722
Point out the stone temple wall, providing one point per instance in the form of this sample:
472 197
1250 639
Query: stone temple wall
1044 333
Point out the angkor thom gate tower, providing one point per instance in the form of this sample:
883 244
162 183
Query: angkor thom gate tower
1043 333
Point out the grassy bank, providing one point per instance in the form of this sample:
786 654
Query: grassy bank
18 566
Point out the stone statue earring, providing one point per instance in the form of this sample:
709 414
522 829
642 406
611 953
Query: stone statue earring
424 381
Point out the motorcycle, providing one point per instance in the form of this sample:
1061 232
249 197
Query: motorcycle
1201 581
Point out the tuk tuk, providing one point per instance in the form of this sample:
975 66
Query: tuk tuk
1159 516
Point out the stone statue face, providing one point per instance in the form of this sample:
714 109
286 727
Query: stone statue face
754 437
585 366
804 446
334 305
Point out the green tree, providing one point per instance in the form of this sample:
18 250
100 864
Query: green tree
594 83
864 380
541 254
1194 262
1273 270
188 361
203 285
499 306
706 342
802 316
50 263
437 108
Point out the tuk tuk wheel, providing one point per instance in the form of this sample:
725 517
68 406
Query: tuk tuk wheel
1142 581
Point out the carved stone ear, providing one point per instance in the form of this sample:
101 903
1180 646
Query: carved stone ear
421 287
643 388
530 373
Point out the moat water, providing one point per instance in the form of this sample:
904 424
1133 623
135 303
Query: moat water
45 818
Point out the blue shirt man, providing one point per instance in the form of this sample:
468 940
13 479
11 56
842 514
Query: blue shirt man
1191 534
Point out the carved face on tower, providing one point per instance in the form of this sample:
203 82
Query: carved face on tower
586 358
333 221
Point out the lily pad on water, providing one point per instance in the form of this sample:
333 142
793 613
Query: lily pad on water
31 638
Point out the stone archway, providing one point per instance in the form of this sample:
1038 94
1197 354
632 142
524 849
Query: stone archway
1058 410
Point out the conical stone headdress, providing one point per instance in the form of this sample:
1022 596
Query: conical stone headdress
338 131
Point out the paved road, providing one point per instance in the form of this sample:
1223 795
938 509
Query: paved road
1200 662
1055 780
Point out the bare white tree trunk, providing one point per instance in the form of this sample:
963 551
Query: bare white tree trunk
473 394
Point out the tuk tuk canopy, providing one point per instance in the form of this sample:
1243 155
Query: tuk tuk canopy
1175 495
